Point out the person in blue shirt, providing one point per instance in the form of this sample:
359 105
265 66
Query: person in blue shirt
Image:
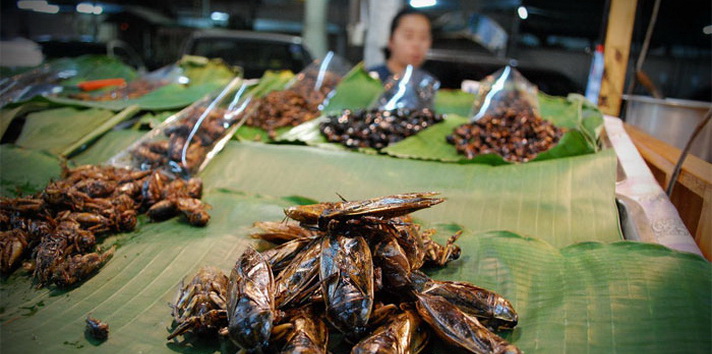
409 42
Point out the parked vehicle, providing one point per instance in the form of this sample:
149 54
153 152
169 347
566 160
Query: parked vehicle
451 67
255 52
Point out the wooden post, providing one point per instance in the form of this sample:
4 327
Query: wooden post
619 31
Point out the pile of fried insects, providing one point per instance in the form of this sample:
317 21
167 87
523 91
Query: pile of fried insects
350 268
54 232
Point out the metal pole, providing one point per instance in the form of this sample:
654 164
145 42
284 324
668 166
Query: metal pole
314 32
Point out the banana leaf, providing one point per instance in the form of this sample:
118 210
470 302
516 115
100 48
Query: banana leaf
54 130
106 147
7 115
152 120
548 199
588 297
562 201
25 171
94 67
65 130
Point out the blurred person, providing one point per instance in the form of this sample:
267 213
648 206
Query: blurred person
409 42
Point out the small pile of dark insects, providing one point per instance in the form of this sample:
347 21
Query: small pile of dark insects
511 129
57 229
351 267
376 128
168 152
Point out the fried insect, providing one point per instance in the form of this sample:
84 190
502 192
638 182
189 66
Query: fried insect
57 228
394 264
383 207
491 309
402 334
458 328
294 283
367 256
251 305
282 255
79 267
200 305
97 329
305 333
346 273
280 232
13 245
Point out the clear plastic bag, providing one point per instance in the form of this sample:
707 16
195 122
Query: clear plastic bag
303 98
34 82
170 74
506 121
317 82
413 89
188 140
404 109
505 89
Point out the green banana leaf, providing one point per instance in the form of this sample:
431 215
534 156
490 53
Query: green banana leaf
454 102
93 67
105 148
562 201
7 115
589 297
56 129
151 120
63 131
25 171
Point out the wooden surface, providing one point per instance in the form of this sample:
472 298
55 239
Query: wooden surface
619 31
692 194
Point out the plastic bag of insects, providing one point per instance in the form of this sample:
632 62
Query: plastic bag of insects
303 98
506 121
38 81
170 74
413 89
186 142
404 109
317 82
505 89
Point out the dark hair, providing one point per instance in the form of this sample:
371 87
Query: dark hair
396 22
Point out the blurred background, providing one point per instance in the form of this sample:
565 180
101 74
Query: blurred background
552 41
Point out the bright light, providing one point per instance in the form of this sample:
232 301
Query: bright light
89 8
219 16
38 6
522 12
31 4
423 3
85 8
48 9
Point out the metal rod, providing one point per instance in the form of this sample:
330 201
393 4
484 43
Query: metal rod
683 155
